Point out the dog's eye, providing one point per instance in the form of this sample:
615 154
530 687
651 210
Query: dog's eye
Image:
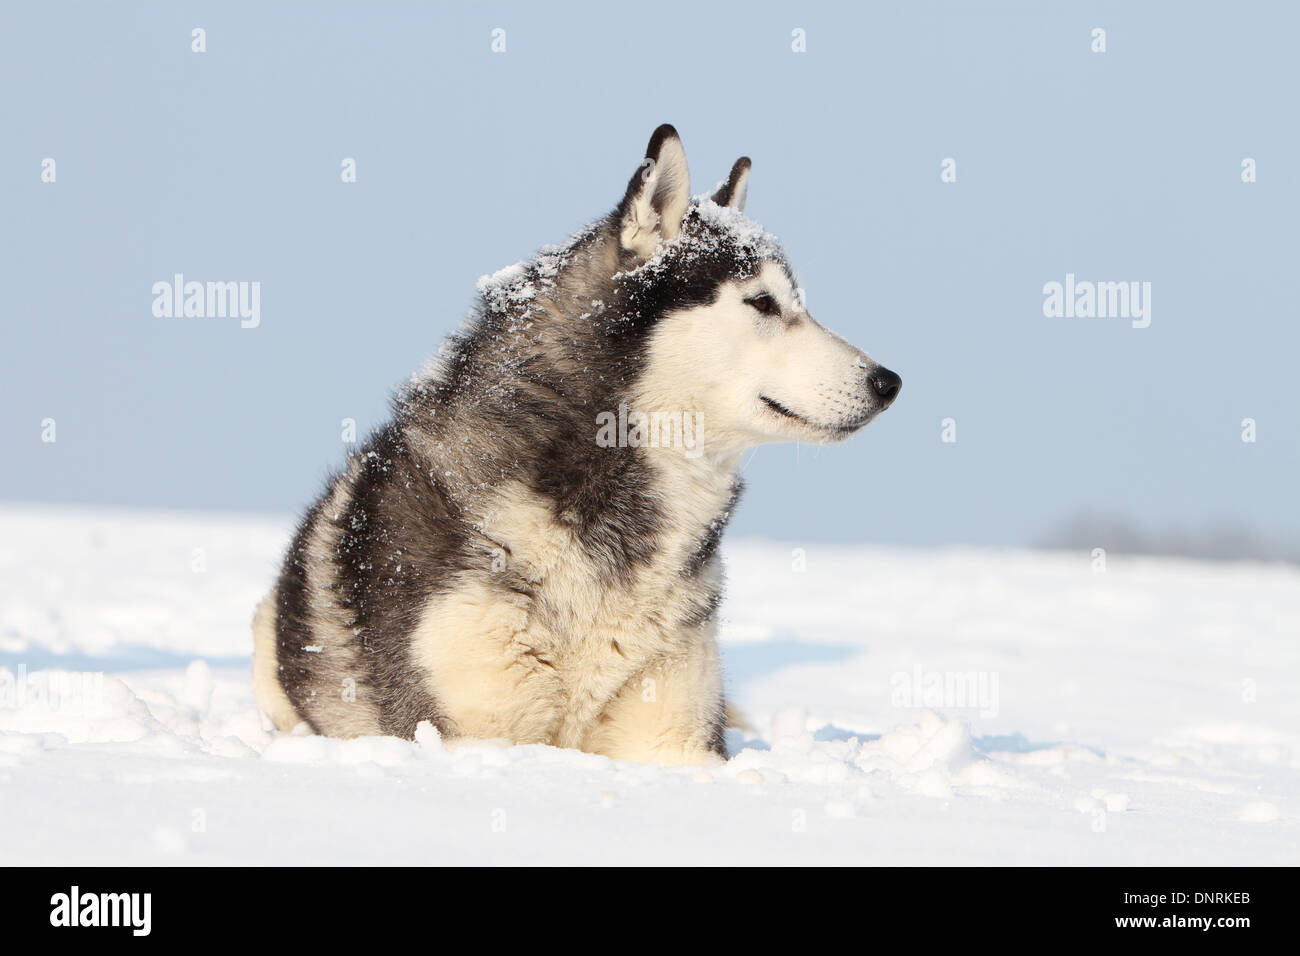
764 303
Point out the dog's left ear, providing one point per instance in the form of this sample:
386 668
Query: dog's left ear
657 196
732 192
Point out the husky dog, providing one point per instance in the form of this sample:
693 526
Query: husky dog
513 557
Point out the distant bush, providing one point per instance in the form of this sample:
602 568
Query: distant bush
1222 540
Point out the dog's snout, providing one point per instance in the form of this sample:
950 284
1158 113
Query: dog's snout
885 384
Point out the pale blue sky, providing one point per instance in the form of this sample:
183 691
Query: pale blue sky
225 165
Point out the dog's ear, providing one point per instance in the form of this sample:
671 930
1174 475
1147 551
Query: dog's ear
732 192
657 195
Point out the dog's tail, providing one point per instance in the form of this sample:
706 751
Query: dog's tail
737 720
271 698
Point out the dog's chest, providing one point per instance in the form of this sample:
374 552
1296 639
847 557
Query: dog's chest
535 647
586 610
592 617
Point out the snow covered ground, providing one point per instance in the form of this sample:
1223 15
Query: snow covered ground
936 706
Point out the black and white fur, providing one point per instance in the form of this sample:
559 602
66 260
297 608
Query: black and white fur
485 565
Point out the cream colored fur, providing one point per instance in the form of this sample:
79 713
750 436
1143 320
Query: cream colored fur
271 697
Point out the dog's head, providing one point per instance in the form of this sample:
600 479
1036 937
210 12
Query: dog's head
732 339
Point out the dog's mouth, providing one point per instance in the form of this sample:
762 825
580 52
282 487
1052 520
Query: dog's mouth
836 430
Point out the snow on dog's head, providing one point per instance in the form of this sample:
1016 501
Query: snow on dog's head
731 337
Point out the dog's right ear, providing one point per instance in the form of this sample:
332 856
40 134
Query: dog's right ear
657 197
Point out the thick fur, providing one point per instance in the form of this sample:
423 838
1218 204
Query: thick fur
485 564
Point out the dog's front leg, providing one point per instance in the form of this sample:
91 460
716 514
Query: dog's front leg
670 712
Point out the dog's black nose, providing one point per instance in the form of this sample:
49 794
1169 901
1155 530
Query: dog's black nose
885 384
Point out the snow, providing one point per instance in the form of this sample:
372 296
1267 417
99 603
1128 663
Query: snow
731 227
743 230
514 284
909 707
